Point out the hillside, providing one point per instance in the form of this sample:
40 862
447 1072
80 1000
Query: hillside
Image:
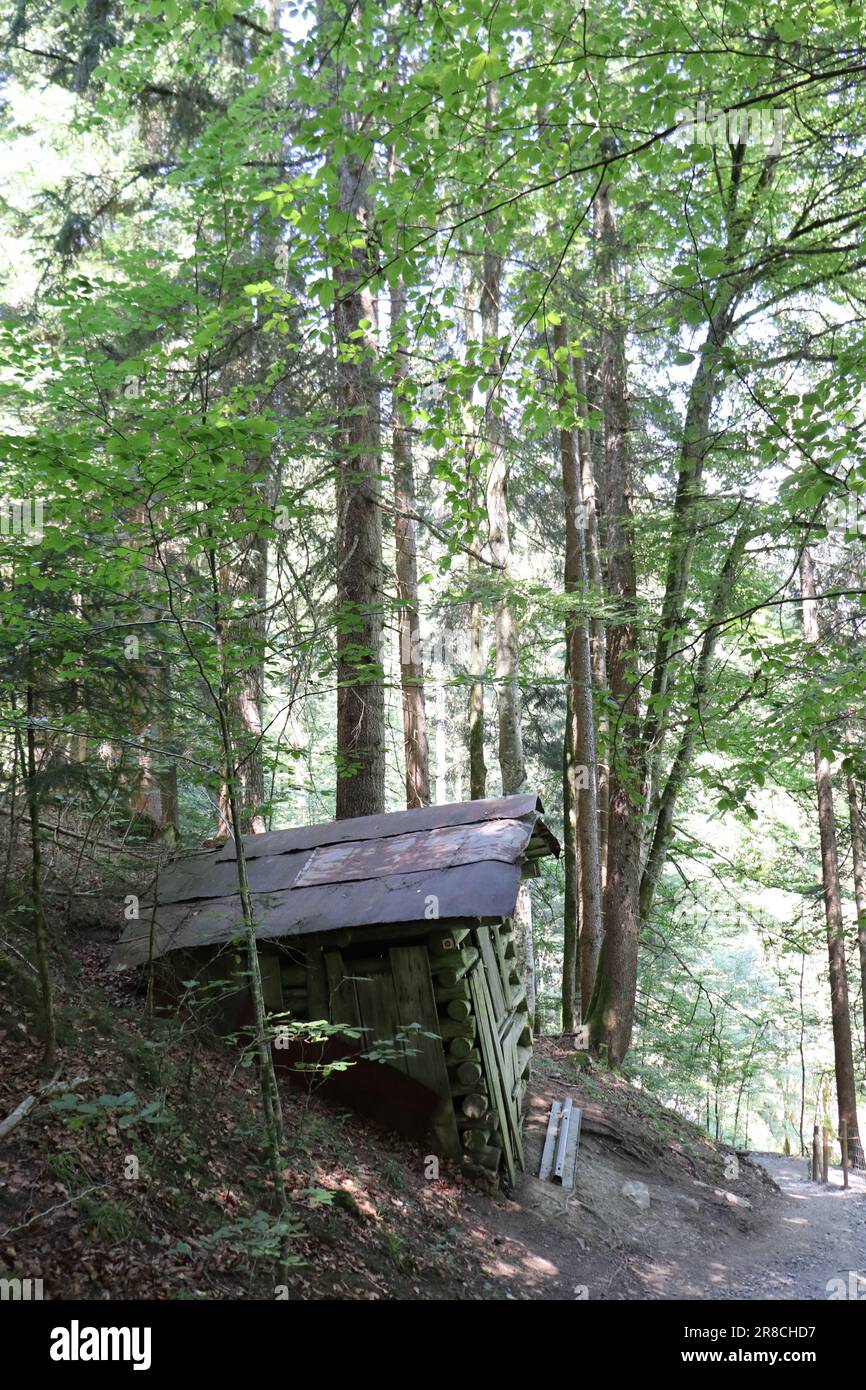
193 1223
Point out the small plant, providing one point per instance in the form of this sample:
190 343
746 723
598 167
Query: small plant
396 1249
68 1169
124 1108
393 1175
111 1221
260 1236
388 1050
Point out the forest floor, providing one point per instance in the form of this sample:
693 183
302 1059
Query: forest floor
145 1181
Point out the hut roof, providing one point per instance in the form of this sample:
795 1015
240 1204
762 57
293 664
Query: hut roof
366 871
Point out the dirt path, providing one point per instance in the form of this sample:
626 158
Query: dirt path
812 1235
785 1245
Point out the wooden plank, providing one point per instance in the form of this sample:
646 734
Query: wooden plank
515 1057
295 1002
318 1001
524 1060
343 1005
491 968
518 998
413 986
272 985
511 1027
500 939
489 1042
379 1012
559 1155
509 1076
375 935
293 976
365 965
512 1110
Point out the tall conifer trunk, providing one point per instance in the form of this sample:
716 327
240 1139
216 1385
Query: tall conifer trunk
507 669
846 1089
858 856
610 1014
582 855
415 743
360 685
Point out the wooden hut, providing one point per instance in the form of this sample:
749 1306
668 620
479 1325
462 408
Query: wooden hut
380 923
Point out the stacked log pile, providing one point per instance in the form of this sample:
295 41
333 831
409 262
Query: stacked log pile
484 1025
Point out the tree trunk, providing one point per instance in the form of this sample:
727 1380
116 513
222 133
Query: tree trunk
858 857
360 688
802 1049
683 535
589 482
154 796
244 582
693 452
846 1090
610 1014
580 767
49 1045
477 765
415 745
571 897
507 669
507 677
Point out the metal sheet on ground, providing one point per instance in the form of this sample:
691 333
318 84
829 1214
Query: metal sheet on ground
570 1164
562 1139
561 1142
550 1140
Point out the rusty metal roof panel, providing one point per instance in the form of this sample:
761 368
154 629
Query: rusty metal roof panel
387 824
419 850
470 863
